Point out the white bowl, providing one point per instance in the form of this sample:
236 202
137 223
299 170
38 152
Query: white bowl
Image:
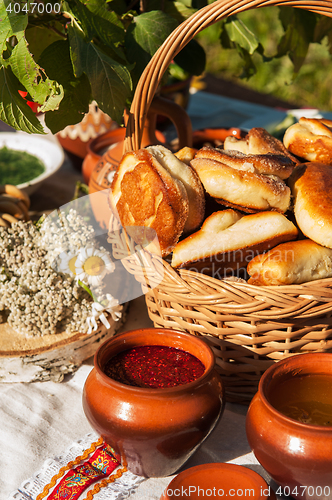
49 151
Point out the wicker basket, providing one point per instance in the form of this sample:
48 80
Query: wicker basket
248 327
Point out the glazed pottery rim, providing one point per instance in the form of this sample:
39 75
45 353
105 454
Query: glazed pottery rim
241 470
149 390
268 375
91 146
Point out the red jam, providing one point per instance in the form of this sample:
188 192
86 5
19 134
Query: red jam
154 367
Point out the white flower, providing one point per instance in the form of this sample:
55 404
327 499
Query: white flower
110 305
92 264
113 307
65 263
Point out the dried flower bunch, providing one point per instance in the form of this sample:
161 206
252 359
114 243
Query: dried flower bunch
39 295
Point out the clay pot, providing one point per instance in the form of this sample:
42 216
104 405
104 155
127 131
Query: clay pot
154 430
98 146
295 454
215 136
75 138
218 480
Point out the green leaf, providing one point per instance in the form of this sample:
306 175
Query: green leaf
46 92
144 36
77 45
40 37
299 31
87 289
99 8
248 68
77 92
110 82
117 6
323 28
11 24
178 10
235 34
192 58
224 37
109 31
13 109
199 4
239 33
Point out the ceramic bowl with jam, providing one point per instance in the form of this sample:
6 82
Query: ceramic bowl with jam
154 396
289 425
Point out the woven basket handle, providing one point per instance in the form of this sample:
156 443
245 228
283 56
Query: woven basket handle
154 71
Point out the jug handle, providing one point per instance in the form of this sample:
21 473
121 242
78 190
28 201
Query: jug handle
178 116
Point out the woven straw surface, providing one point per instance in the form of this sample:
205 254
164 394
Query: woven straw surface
248 327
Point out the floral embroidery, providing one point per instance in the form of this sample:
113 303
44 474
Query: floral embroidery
104 461
72 485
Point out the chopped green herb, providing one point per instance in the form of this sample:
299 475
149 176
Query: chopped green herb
18 167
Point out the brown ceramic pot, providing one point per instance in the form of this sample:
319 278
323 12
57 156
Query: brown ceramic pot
98 146
296 455
215 136
154 430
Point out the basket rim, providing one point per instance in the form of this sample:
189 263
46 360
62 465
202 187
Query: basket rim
185 283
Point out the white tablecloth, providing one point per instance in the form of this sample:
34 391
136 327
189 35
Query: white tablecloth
41 420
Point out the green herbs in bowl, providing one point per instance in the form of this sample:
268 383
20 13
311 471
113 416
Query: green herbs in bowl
18 167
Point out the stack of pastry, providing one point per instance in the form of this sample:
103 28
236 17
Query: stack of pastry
255 227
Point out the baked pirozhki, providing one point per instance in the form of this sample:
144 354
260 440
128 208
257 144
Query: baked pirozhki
183 172
310 139
260 141
267 164
311 185
186 154
293 262
228 240
149 194
236 180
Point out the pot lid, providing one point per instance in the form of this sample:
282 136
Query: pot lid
218 480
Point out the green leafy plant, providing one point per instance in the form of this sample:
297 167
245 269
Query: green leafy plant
281 51
66 53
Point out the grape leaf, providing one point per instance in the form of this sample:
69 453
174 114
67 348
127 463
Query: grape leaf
13 109
46 92
110 81
56 61
144 36
11 24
